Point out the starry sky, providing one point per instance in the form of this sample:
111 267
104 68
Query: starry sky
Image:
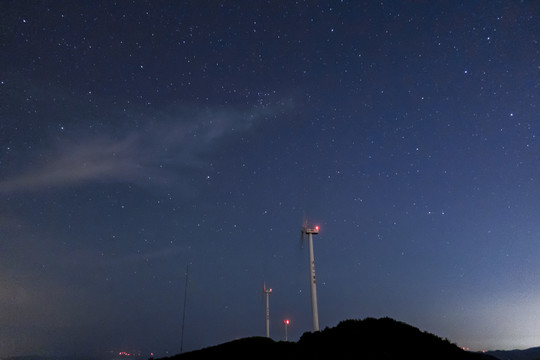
140 139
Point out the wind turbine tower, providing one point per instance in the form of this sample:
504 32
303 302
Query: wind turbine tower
310 232
267 293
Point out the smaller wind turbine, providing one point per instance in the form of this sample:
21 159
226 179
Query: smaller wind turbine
315 311
267 293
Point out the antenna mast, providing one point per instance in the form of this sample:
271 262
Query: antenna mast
184 312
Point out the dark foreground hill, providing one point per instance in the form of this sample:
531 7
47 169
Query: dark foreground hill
527 354
369 339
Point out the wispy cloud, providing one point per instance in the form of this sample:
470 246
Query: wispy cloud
91 159
180 138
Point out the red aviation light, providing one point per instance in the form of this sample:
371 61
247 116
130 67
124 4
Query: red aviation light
287 322
317 228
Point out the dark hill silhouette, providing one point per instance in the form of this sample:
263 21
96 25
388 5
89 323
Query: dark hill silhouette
367 339
527 354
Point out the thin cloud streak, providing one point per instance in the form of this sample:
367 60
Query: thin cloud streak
99 158
139 155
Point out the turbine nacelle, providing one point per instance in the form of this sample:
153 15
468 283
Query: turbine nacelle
308 230
314 230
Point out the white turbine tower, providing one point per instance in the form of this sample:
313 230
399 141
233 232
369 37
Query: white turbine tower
267 293
310 232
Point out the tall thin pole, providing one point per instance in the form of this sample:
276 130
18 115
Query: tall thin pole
267 293
184 312
313 282
267 315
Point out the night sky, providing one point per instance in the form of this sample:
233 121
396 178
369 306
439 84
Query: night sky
140 137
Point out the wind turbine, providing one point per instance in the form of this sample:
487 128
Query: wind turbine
286 322
310 232
267 293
